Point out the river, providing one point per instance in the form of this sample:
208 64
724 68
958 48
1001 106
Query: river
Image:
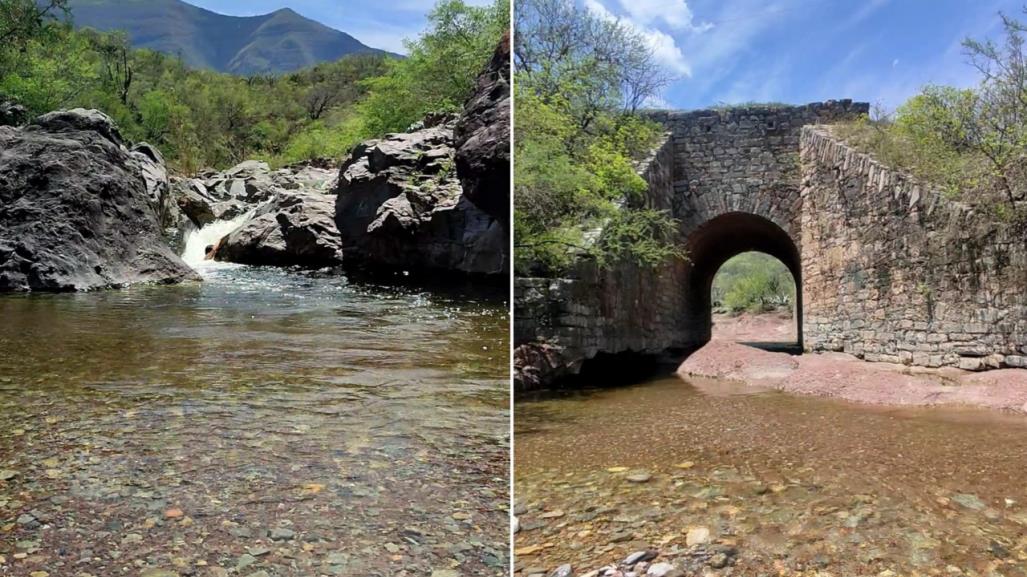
722 479
266 421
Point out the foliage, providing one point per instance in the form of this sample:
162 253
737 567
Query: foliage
970 142
753 282
597 63
200 118
578 142
441 68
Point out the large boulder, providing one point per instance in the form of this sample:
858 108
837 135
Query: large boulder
79 210
482 137
399 205
297 228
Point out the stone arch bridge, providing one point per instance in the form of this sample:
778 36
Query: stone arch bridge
885 268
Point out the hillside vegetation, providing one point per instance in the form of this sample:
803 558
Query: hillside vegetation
972 142
282 41
201 118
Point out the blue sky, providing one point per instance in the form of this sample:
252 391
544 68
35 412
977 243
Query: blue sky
798 51
382 24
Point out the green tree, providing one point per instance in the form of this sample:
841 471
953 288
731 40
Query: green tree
577 144
440 71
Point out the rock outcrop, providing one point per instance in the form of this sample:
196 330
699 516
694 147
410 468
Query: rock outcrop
225 195
399 205
297 228
79 210
482 138
437 197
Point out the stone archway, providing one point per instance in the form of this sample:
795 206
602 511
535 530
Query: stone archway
712 243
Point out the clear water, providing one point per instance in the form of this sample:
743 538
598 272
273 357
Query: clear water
795 485
177 428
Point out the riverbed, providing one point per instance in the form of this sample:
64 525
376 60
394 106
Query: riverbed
720 478
264 422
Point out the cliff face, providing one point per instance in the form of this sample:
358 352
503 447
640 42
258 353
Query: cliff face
482 138
79 210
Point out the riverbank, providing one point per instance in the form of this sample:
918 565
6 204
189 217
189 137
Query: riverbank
847 377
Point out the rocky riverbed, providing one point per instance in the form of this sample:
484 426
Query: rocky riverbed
262 423
707 477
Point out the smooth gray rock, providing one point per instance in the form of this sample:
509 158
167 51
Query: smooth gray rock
78 210
297 228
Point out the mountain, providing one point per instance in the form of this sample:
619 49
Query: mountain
281 41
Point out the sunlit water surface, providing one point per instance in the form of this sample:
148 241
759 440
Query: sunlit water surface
787 485
263 420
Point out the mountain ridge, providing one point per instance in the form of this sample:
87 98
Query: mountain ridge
277 42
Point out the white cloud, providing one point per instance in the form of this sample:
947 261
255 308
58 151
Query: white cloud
664 46
675 13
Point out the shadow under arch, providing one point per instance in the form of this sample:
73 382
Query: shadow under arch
714 242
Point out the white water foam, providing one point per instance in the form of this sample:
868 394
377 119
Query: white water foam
197 240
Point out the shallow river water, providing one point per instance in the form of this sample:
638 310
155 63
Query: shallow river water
264 422
722 480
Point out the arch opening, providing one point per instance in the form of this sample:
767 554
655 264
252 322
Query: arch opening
723 238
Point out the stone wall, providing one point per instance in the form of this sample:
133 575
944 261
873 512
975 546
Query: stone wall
894 272
623 308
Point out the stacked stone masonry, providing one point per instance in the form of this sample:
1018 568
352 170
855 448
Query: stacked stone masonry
887 271
892 271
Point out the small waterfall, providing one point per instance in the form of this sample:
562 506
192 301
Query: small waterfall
197 240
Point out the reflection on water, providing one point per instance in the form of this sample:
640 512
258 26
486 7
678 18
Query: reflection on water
262 420
787 485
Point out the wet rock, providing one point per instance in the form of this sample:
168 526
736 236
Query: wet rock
79 210
482 138
563 571
244 561
639 477
27 521
969 501
297 228
719 560
697 536
282 534
638 557
662 570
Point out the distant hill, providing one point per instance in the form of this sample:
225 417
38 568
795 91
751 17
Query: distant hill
281 41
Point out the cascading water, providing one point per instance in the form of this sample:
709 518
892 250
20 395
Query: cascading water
197 240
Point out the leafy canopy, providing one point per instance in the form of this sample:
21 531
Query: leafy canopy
578 141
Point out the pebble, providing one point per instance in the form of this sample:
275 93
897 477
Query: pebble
639 477
7 474
660 570
639 556
697 536
282 534
245 560
563 571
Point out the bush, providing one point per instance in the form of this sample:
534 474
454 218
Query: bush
753 282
